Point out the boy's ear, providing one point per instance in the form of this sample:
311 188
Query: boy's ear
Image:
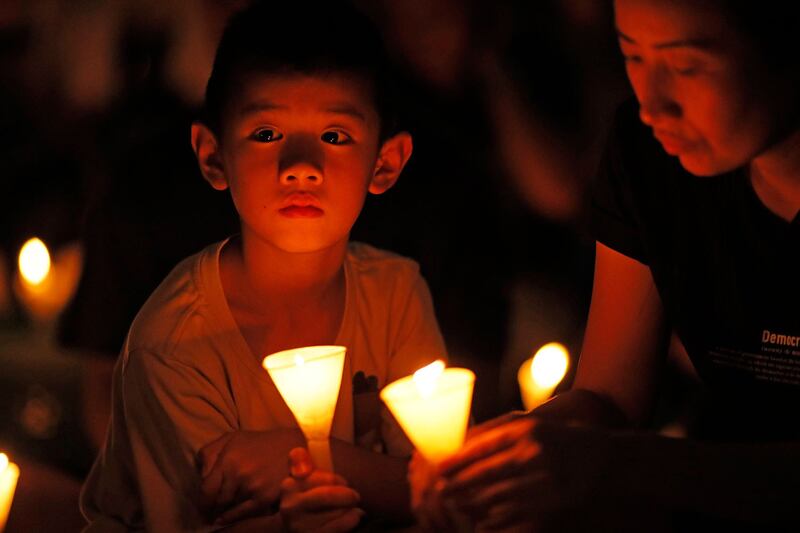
206 149
393 156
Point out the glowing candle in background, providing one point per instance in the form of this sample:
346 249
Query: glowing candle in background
9 473
42 286
308 380
34 262
540 375
432 407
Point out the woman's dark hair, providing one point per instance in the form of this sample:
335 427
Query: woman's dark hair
773 26
303 37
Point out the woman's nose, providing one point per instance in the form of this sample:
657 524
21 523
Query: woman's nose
656 97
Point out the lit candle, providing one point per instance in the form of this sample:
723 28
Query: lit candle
43 286
432 407
34 262
308 380
540 375
9 473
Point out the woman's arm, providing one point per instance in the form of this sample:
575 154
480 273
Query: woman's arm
623 347
542 465
626 337
499 468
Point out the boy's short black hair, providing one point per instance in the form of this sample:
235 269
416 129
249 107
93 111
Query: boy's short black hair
306 37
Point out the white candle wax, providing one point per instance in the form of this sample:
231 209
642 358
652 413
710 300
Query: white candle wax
309 379
432 407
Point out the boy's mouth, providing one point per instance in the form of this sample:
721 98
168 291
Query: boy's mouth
301 211
301 205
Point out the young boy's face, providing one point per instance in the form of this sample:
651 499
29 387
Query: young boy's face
299 153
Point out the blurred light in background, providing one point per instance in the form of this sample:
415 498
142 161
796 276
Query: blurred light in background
540 375
9 473
34 261
44 287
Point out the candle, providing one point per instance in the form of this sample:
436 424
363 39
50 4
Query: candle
308 379
540 375
432 407
34 262
42 286
9 473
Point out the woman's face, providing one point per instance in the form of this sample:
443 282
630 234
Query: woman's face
700 86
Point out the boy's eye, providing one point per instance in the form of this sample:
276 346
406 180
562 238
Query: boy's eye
335 137
266 135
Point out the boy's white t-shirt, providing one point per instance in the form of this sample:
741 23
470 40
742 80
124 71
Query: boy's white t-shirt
186 376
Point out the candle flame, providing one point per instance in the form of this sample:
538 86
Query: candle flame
427 377
3 462
34 261
550 365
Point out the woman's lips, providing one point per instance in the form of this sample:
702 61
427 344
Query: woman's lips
301 211
673 144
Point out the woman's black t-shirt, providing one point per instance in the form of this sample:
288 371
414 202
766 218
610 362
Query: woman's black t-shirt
727 270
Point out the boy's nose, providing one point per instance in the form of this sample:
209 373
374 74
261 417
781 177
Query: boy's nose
299 173
301 163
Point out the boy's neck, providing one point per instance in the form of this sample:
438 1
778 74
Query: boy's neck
272 278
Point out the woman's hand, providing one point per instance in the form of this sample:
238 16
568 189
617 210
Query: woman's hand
316 500
526 471
426 500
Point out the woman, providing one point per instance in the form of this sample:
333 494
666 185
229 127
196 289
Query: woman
698 234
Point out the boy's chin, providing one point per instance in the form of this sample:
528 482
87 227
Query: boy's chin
307 245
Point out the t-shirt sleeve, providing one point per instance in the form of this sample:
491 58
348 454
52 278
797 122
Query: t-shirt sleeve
171 410
417 342
615 218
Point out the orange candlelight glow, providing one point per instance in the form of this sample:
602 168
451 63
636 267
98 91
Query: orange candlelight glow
308 379
432 407
9 473
540 375
34 262
44 286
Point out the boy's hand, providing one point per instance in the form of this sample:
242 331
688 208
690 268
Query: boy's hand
242 472
316 500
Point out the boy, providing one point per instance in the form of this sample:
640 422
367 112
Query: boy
298 127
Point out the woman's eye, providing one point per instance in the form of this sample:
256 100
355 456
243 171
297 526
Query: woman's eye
266 136
632 59
335 137
686 70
